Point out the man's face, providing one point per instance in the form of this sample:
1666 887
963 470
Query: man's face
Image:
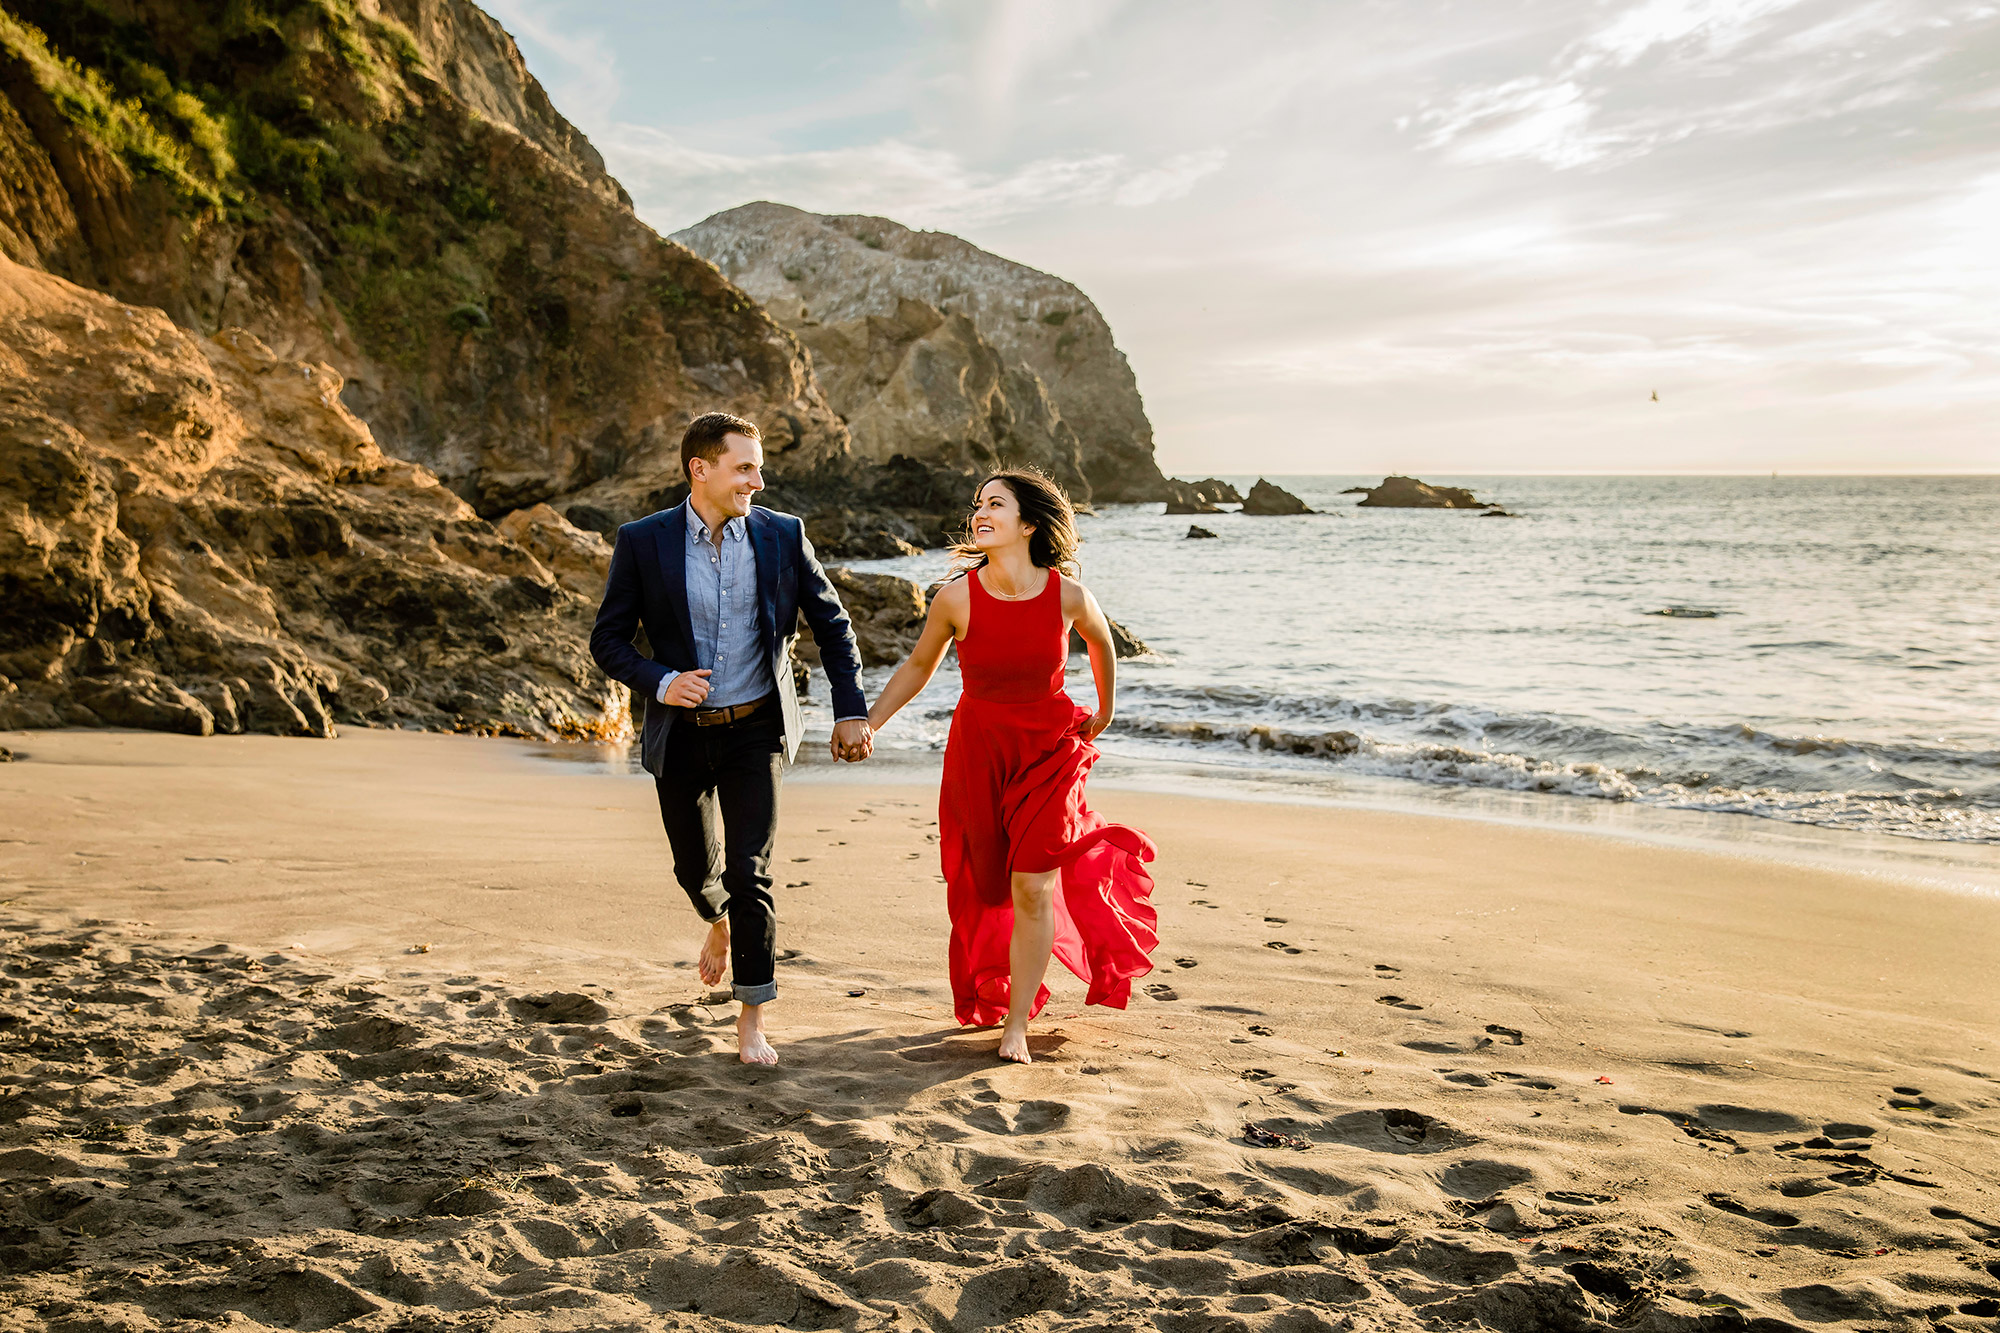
728 482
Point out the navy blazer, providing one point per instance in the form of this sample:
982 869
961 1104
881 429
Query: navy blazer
647 588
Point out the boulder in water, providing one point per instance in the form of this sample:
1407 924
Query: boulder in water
1409 493
887 614
1200 497
1123 641
1196 531
1266 499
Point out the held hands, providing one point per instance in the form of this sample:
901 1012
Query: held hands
853 740
688 689
1094 725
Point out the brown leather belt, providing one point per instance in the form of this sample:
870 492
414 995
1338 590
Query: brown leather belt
717 717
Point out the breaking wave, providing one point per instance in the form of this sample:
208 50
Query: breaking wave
1735 769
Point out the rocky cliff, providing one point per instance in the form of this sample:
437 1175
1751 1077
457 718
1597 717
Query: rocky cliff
935 349
381 186
195 535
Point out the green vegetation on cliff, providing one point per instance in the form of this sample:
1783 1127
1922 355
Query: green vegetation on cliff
246 98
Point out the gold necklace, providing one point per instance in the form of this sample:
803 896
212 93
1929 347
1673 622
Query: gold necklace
1019 596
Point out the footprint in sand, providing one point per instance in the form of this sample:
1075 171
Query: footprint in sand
1513 1035
1035 1117
1275 921
1281 946
1384 967
1186 962
1396 1002
1159 990
1540 1084
1770 1217
1259 1030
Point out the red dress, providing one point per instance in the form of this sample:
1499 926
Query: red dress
1012 799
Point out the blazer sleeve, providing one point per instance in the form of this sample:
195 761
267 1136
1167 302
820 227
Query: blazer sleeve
618 621
839 655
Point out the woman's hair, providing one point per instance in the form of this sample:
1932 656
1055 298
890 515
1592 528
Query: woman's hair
1044 507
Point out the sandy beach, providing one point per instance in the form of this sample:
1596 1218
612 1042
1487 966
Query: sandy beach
401 1031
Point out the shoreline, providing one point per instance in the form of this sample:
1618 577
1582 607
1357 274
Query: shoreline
1944 866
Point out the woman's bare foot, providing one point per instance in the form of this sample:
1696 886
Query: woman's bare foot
714 960
751 1047
1014 1042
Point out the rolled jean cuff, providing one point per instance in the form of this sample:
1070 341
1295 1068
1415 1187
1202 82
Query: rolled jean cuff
761 994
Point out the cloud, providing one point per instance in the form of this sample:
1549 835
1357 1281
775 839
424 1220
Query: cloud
1469 236
1662 71
676 185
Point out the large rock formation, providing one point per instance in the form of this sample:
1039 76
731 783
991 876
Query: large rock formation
931 347
195 535
384 188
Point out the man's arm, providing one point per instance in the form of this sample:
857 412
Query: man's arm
838 654
618 621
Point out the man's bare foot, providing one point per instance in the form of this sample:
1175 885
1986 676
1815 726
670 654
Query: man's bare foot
1014 1042
751 1047
715 953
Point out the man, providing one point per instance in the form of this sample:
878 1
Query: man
718 587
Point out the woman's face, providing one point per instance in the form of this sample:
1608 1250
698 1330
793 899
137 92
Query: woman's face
996 518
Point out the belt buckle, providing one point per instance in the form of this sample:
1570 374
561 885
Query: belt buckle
711 717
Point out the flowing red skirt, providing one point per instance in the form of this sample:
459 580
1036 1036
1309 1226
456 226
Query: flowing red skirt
1012 799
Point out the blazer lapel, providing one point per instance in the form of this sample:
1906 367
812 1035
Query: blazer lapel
764 541
673 570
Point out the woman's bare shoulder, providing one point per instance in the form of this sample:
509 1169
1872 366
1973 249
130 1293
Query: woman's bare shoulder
1075 596
951 596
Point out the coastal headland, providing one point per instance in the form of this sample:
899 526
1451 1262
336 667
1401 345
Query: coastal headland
400 1030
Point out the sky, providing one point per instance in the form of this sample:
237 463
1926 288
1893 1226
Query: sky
1452 237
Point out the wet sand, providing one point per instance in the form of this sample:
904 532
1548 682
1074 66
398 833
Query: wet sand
401 1031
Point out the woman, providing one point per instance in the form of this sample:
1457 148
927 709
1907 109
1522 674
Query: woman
1029 869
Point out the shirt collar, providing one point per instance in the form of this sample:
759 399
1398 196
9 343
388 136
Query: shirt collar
736 529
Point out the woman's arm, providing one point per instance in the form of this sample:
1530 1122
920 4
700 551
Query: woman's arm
1089 620
940 628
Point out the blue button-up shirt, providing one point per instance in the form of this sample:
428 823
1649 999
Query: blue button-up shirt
724 606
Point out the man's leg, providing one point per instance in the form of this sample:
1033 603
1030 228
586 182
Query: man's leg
686 788
747 775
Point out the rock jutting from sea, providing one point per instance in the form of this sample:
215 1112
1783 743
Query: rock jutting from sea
1268 500
936 350
1409 493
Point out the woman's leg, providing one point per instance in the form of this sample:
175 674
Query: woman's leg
1028 956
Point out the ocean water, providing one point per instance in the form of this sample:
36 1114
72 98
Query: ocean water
1833 658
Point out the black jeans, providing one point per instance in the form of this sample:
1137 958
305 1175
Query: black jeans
732 770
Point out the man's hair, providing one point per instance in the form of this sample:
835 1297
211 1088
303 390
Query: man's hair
704 438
